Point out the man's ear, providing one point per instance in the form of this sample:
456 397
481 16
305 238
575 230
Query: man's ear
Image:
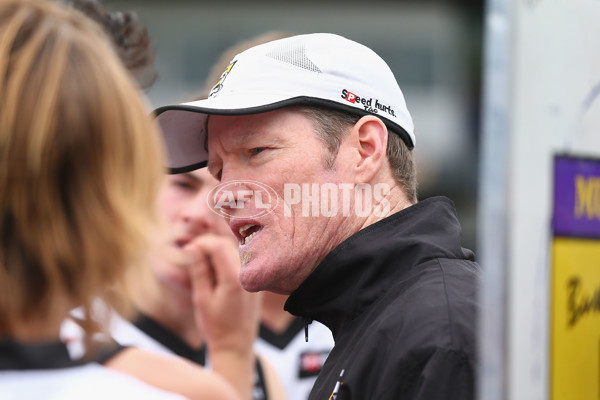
372 135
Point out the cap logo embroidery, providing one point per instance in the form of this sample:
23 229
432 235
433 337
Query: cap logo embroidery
351 97
219 85
367 103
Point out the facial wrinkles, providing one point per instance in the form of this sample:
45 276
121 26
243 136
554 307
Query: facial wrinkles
339 227
222 147
215 163
315 237
309 239
223 150
335 230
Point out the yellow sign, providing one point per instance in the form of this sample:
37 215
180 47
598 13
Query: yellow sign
575 344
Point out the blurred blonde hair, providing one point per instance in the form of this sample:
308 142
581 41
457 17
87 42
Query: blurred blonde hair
80 166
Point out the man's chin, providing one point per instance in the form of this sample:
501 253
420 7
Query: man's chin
251 286
250 278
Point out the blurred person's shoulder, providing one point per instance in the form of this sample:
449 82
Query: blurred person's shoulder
91 381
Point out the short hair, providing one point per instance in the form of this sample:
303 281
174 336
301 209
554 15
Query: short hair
129 37
333 125
80 165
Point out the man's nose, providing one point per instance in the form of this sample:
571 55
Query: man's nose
231 196
231 173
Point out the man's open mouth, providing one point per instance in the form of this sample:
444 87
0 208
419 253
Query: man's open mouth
247 232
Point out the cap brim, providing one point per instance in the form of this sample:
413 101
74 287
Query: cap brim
184 126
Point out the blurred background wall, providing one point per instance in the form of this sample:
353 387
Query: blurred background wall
433 48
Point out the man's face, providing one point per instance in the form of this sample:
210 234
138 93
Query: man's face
275 149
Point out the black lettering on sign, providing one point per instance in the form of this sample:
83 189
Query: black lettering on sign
580 304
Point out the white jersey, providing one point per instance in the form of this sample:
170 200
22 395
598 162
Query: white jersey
42 378
296 361
90 382
119 329
148 334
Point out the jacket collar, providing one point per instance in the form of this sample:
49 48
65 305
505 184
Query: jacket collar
363 267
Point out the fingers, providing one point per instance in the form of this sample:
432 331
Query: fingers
202 278
216 266
219 250
226 312
215 277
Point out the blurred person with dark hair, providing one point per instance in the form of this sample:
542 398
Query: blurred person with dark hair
80 168
129 37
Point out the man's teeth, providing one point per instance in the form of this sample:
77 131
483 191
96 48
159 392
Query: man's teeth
244 233
249 237
244 229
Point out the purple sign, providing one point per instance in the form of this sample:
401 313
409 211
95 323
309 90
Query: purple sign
576 197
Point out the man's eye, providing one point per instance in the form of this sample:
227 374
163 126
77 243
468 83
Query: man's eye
257 150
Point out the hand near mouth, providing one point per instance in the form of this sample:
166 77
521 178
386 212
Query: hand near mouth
226 313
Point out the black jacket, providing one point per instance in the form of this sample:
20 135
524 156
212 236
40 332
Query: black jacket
400 298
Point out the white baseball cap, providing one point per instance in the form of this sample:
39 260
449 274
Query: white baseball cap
320 69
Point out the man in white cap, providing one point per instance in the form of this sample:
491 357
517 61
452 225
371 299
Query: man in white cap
312 141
